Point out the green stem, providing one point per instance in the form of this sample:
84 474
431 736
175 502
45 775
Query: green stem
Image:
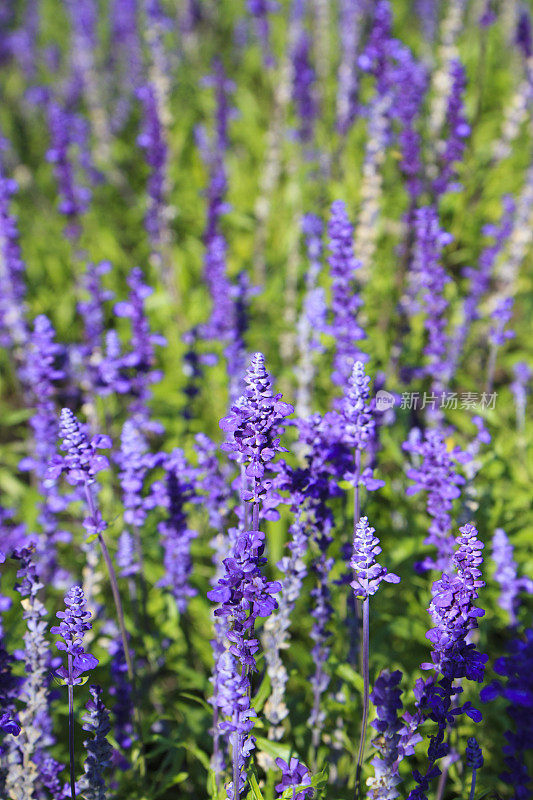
366 692
71 728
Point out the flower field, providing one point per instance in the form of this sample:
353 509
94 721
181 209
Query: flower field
266 449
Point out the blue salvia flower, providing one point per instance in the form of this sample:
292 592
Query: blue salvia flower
345 301
454 613
506 575
13 327
75 622
517 667
294 775
23 778
458 131
174 494
474 760
386 697
350 24
99 751
367 573
122 709
303 86
41 375
260 10
153 142
81 462
436 473
140 361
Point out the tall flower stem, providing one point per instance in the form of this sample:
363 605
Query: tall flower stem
366 691
120 616
71 728
473 786
114 586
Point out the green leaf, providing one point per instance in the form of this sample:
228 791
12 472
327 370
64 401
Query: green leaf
274 749
348 674
255 791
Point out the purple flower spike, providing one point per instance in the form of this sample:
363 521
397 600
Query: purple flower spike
345 301
474 755
254 424
368 575
294 774
81 461
386 698
74 624
506 575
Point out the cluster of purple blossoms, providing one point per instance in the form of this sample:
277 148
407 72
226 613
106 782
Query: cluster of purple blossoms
81 462
350 24
386 698
455 615
517 668
99 751
253 427
458 131
174 493
429 281
67 131
294 775
367 573
74 624
121 691
141 358
345 301
506 575
260 10
152 141
304 78
13 328
436 474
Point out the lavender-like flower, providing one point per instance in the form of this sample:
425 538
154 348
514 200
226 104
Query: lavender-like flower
430 279
437 475
458 131
454 614
253 429
153 143
141 358
260 10
294 775
506 575
517 667
40 375
23 778
386 697
474 760
367 577
81 462
67 131
350 19
74 624
345 301
176 492
123 707
312 320
99 751
13 328
303 82
519 388
367 573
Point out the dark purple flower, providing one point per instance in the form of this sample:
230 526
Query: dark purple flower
474 756
294 775
99 751
153 143
458 130
386 697
74 624
345 301
81 461
506 575
13 327
303 86
367 573
254 427
436 473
